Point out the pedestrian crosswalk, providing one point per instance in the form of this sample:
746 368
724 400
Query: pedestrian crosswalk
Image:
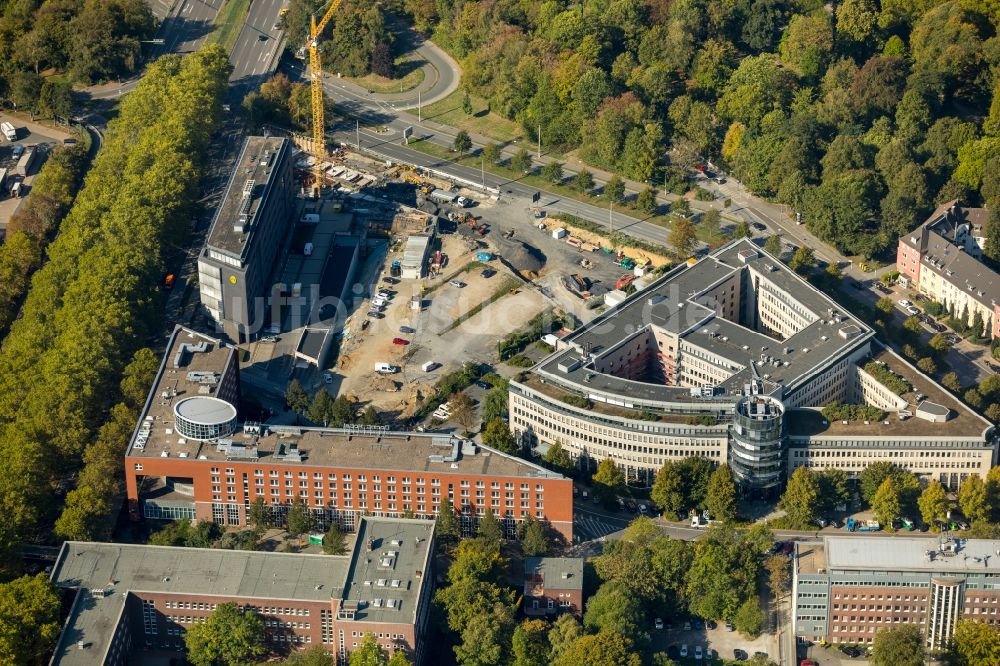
588 526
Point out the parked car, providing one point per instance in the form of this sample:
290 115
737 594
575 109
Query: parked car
711 624
730 626
808 662
684 650
904 303
406 329
851 651
740 655
658 624
759 227
269 339
375 314
912 310
457 283
698 652
687 625
400 341
697 624
488 273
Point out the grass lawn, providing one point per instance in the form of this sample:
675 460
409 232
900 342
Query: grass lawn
448 111
413 77
228 23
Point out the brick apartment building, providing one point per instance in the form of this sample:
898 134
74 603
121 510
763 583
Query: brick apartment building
942 259
553 585
129 600
845 589
189 458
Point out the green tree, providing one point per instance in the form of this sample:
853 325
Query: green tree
463 143
749 618
614 189
773 245
521 161
885 304
887 504
557 458
933 504
951 382
56 99
801 500
605 648
720 500
489 528
492 153
974 500
259 515
369 653
902 645
298 520
912 324
613 609
927 365
609 481
646 201
29 615
552 172
872 477
939 343
668 489
834 489
976 643
584 180
803 260
296 397
320 410
399 658
446 527
334 541
564 632
497 435
683 236
531 643
229 636
742 230
466 104
314 656
534 541
778 574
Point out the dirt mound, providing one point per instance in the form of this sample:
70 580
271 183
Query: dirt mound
523 258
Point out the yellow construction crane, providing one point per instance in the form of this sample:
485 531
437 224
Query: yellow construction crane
316 82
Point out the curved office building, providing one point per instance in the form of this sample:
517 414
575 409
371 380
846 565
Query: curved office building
731 358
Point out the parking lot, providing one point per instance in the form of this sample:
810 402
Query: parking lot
29 134
693 634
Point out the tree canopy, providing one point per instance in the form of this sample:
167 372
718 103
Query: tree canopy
229 636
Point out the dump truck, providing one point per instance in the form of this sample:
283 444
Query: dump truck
624 281
442 196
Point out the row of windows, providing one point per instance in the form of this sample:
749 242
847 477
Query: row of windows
361 478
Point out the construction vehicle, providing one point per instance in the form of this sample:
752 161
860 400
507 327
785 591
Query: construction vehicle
624 281
586 263
625 262
8 131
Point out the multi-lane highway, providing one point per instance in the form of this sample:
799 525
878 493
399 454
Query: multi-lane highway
258 48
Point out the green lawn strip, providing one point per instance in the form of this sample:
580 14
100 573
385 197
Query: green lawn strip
228 23
501 291
382 85
449 111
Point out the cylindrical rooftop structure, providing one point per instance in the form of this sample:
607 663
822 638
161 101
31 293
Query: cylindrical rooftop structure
204 418
756 443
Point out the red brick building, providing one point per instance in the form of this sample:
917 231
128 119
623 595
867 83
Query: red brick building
189 458
133 600
553 585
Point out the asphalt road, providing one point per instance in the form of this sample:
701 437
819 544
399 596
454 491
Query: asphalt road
258 48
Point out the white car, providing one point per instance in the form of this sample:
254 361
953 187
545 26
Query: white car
912 310
904 303
658 624
457 283
697 652
684 650
384 294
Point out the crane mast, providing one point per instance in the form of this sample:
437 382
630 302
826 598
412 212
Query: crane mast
316 83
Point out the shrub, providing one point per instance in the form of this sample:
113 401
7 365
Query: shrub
576 400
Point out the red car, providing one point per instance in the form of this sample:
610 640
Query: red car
400 341
808 662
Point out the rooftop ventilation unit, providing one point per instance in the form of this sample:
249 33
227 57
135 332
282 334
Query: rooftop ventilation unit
181 357
248 188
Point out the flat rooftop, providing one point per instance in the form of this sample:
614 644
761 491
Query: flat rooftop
384 582
352 449
122 568
258 162
671 304
911 554
810 557
963 422
189 364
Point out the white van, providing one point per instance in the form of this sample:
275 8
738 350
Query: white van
428 366
386 368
